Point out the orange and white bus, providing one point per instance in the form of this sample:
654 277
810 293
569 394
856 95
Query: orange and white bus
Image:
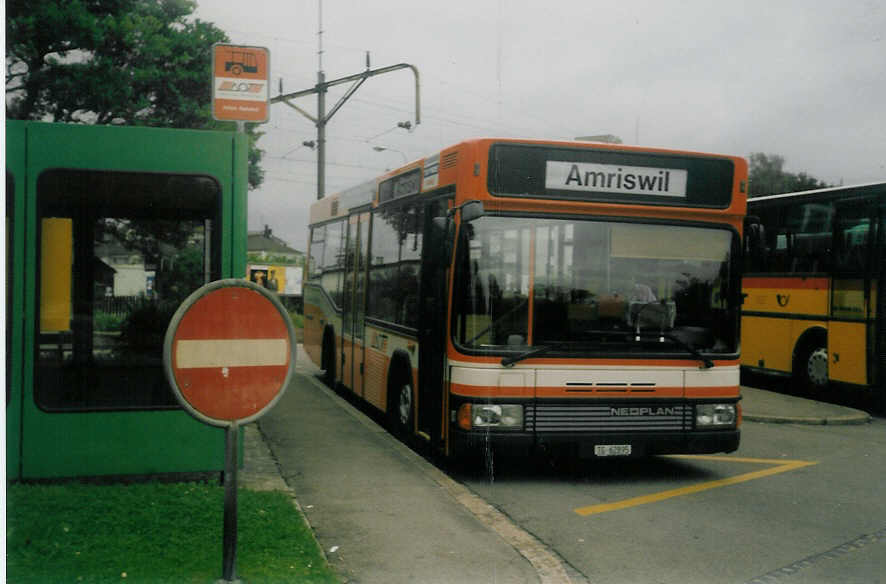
537 294
814 302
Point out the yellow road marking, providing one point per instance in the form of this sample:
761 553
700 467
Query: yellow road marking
780 467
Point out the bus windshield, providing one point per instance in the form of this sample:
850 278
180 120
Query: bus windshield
594 287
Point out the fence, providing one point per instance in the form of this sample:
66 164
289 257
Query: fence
115 305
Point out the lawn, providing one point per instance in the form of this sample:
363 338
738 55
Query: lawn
154 533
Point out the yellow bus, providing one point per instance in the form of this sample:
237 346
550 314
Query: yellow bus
812 307
537 295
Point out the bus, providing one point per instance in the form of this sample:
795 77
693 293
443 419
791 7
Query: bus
813 289
537 295
108 230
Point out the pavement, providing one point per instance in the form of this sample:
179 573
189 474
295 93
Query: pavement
383 514
760 405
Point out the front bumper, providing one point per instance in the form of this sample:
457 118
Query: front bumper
650 427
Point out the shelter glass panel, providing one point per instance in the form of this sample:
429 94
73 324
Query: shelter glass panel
118 253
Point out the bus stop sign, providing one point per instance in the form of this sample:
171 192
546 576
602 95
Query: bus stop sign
240 83
229 352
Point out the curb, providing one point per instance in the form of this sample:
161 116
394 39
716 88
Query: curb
853 419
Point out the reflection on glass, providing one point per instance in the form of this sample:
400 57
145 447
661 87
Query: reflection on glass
585 285
119 252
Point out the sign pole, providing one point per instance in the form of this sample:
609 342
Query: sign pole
229 537
226 372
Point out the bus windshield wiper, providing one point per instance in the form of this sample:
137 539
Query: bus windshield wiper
564 346
705 361
534 351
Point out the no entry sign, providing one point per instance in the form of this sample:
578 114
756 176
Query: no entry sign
229 352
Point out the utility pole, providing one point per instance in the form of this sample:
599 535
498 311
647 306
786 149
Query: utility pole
322 118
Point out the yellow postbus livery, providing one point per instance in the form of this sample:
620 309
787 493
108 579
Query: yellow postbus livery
813 302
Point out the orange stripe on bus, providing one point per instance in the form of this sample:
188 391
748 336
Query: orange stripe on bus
491 391
713 391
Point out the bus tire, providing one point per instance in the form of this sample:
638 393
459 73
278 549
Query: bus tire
328 360
401 401
811 365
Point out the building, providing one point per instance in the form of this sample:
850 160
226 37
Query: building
273 264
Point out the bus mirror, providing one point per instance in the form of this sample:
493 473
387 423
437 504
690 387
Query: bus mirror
471 210
444 233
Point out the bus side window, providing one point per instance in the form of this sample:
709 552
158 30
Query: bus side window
315 253
810 227
780 251
333 263
853 228
395 264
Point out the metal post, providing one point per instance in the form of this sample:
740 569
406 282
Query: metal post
229 537
321 134
322 118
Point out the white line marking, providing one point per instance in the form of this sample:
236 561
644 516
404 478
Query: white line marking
190 354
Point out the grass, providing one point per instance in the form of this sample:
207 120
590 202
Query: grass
154 533
298 322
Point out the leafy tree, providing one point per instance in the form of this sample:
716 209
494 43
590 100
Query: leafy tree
135 62
768 177
182 275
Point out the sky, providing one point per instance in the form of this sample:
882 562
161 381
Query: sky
802 79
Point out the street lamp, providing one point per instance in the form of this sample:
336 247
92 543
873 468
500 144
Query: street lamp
384 148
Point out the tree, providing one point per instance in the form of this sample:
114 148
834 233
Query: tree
135 62
767 177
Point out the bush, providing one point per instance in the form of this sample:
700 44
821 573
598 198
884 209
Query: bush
145 326
107 322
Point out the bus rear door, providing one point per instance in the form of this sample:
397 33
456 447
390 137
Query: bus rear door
354 302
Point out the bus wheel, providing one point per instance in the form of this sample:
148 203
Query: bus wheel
400 404
812 369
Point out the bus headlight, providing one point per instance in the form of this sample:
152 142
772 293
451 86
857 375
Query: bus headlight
504 416
714 415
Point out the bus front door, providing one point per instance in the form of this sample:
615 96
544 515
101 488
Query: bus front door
432 326
852 293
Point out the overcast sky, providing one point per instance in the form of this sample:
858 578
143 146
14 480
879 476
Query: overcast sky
803 79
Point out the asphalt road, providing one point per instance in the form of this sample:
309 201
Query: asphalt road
795 504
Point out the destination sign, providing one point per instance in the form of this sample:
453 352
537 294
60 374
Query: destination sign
610 175
616 178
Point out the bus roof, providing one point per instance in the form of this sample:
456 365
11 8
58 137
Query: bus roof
813 192
442 167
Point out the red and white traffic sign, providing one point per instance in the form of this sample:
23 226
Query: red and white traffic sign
229 352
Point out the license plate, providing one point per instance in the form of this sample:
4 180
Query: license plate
612 450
